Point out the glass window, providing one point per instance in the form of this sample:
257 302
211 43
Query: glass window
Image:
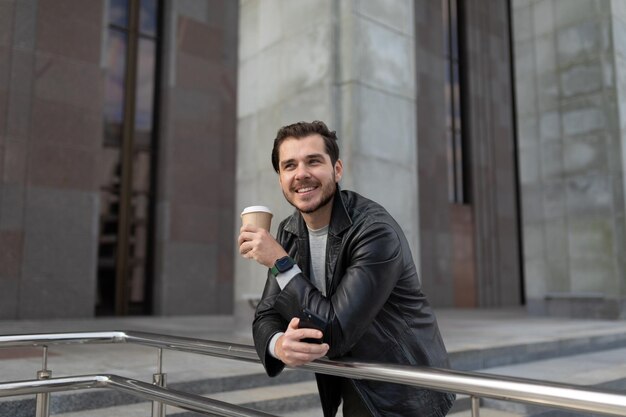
126 162
118 13
453 90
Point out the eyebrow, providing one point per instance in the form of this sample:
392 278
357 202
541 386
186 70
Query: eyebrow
308 157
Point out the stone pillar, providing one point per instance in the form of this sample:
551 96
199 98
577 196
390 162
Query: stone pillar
194 258
51 90
569 84
350 64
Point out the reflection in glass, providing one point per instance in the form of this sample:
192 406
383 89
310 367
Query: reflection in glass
452 92
145 85
125 188
148 17
114 86
118 13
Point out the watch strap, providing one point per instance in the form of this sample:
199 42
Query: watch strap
282 265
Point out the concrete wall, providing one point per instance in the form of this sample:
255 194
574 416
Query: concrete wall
568 58
349 63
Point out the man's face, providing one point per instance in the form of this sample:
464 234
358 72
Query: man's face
306 174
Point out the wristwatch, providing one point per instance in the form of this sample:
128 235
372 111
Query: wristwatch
282 265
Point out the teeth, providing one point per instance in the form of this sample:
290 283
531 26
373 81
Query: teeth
304 190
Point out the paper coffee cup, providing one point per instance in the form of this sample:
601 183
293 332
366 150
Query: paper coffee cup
259 216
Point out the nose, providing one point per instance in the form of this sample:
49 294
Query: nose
302 171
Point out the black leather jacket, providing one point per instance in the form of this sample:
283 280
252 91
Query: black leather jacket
374 307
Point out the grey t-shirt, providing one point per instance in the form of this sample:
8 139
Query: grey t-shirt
317 244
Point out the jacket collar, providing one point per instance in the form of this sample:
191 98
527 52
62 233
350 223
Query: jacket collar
339 219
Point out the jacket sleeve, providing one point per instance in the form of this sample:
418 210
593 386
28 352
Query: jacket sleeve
267 322
373 264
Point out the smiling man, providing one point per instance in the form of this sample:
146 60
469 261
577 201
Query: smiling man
343 259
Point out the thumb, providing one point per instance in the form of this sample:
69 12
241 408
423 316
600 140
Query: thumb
293 324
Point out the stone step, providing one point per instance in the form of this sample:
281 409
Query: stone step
485 412
511 353
88 401
604 370
288 399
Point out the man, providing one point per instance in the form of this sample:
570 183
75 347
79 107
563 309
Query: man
344 258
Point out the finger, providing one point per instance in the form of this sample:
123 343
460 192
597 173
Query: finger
310 333
313 349
244 248
245 237
249 228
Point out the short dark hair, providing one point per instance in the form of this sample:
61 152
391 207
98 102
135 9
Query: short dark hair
303 129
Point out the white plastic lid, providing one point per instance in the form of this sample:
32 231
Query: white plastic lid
253 209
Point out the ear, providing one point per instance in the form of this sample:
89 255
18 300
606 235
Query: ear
338 170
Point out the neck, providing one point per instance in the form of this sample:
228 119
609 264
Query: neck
320 217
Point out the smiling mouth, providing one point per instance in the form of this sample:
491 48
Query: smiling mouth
305 190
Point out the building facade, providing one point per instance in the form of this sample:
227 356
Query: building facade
117 154
132 133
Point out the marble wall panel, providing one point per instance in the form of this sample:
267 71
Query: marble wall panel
199 74
69 82
7 10
198 39
249 40
550 126
70 29
581 41
522 21
568 12
15 157
60 249
554 200
24 24
551 155
582 155
65 125
583 120
188 269
590 193
543 17
386 120
394 14
383 59
12 207
50 165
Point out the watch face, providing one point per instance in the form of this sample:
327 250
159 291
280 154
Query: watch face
283 264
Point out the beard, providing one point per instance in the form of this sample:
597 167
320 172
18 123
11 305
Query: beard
328 192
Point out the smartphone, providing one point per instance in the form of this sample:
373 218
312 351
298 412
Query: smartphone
310 320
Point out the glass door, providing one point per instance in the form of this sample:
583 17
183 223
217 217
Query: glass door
127 161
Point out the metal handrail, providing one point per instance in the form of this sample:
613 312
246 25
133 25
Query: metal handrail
187 401
563 396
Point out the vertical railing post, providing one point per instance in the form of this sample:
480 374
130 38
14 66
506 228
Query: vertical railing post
43 398
159 379
475 406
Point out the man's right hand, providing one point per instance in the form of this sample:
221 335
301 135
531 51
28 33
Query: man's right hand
292 351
